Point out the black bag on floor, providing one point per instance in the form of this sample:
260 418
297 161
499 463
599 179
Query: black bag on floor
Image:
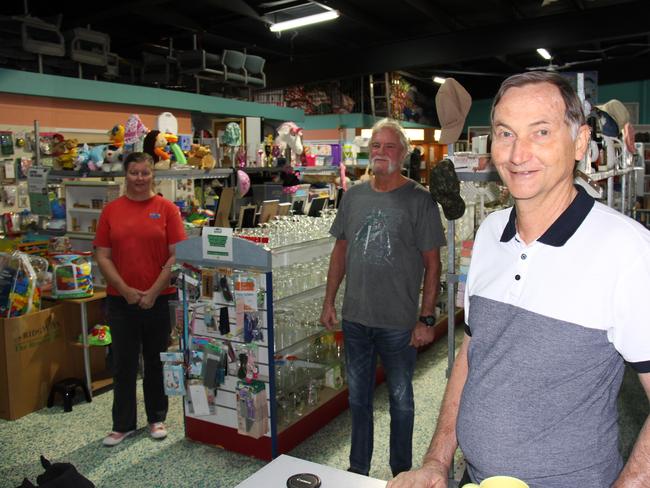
58 475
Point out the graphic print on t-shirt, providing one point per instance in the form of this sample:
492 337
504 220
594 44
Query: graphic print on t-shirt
372 243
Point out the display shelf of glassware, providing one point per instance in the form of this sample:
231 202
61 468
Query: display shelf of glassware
262 311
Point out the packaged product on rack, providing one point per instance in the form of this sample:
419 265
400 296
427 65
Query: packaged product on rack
173 373
252 412
19 293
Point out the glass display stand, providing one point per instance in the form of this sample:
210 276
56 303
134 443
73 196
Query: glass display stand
298 362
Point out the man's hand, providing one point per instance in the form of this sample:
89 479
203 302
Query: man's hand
147 299
132 295
431 475
328 316
422 335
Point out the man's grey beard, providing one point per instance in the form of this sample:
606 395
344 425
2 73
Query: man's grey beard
392 165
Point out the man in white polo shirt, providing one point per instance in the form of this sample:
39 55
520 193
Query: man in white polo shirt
556 303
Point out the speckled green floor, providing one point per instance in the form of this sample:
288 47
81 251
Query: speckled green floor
175 462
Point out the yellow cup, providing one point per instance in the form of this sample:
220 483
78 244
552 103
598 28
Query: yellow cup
499 482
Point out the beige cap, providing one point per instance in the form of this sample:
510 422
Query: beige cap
452 104
617 111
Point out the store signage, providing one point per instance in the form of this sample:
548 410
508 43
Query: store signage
37 190
217 243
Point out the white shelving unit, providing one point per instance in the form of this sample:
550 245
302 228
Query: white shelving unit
85 200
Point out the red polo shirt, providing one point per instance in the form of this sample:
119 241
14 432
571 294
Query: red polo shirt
138 234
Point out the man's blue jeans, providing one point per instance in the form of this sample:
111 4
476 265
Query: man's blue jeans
362 346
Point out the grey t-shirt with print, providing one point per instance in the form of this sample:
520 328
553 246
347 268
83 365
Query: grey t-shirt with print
386 233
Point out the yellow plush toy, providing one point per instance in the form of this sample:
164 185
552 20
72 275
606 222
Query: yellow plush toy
200 157
116 135
68 158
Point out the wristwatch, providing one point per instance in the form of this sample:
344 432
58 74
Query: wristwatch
428 320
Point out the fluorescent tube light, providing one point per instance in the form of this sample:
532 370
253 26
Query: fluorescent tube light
544 53
438 79
436 134
302 21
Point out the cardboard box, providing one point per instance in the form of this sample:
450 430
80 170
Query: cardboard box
32 358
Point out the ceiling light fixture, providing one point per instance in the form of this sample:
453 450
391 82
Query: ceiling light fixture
544 53
303 21
438 79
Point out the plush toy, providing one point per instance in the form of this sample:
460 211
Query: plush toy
67 158
58 145
172 140
154 145
200 157
83 156
113 157
96 157
116 135
290 136
134 134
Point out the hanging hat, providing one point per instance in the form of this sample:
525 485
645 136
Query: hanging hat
452 105
232 135
617 111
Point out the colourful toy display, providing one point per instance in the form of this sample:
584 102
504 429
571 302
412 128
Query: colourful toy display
71 276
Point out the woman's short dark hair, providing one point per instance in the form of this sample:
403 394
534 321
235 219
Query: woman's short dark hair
573 114
137 157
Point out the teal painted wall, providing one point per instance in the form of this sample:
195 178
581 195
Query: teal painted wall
634 91
27 83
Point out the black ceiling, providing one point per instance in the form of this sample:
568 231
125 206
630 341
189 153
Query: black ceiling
477 42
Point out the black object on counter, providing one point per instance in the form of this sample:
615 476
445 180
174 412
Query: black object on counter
303 480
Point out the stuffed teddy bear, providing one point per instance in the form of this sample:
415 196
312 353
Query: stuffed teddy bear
68 157
200 157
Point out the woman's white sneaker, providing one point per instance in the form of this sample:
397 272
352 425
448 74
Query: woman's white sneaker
157 430
114 438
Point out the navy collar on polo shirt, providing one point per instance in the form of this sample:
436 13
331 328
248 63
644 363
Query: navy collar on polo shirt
564 227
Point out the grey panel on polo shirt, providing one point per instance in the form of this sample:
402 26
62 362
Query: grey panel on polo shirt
386 233
540 400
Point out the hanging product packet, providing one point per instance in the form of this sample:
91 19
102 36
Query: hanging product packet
71 275
19 292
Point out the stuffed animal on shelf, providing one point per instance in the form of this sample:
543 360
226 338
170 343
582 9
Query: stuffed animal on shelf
200 157
58 145
179 155
96 157
83 156
134 134
67 158
116 135
113 158
154 145
290 136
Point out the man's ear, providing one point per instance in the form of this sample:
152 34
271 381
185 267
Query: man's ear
582 142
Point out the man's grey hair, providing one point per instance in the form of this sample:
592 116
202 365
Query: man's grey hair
573 114
395 127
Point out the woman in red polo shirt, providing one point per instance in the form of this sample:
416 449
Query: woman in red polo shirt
135 249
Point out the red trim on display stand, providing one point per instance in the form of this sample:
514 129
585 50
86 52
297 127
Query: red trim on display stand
227 438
